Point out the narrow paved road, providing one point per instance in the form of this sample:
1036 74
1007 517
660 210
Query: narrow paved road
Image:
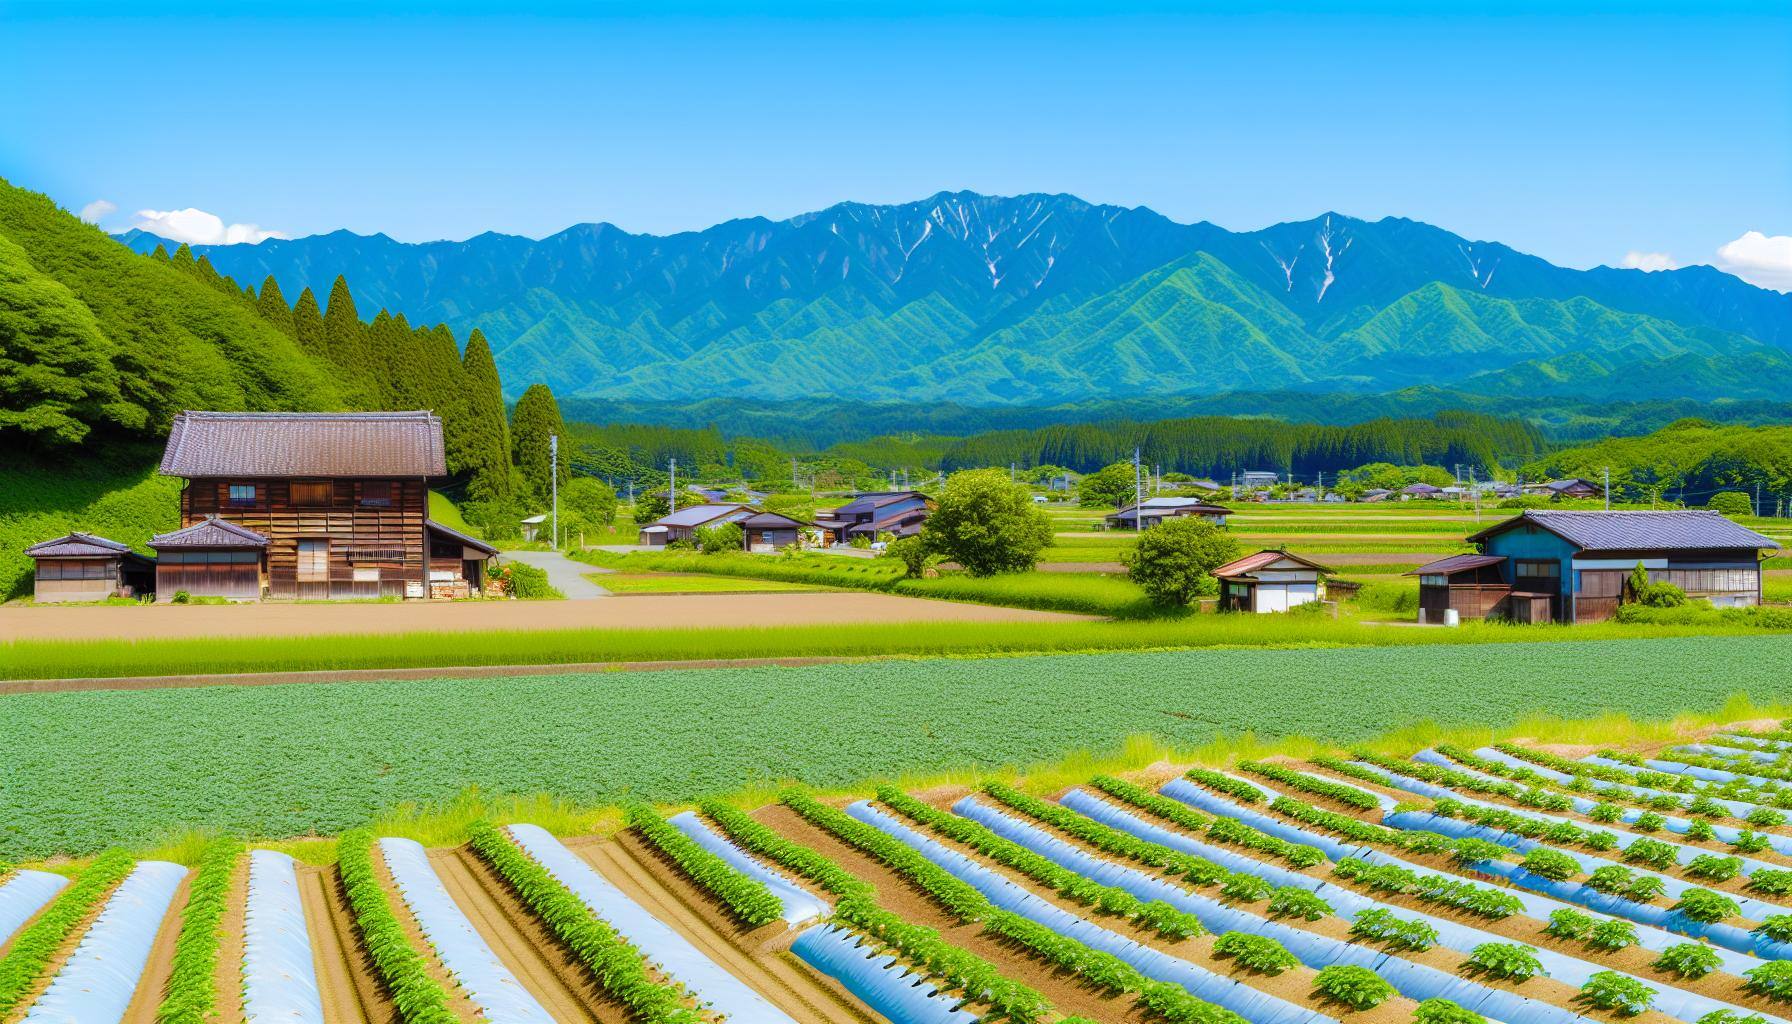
566 575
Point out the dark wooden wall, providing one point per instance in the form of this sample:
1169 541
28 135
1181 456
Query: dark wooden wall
389 538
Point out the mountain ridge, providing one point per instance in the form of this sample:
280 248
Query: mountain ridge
998 300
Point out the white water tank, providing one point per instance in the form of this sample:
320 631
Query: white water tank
1451 618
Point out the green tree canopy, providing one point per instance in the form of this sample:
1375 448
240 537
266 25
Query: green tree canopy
273 308
587 502
535 419
987 524
485 439
1111 486
1173 562
1732 503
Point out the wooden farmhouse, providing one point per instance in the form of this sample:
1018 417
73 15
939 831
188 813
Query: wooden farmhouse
83 567
1143 516
1574 566
1270 581
898 513
761 531
311 506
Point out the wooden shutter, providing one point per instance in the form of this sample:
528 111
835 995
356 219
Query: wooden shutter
314 561
311 493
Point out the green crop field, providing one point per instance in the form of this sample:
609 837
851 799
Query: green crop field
680 583
84 770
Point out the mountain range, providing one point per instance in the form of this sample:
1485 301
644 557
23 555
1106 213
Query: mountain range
1042 299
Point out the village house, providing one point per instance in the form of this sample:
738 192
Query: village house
897 513
83 567
311 506
1420 490
760 531
1270 581
1258 478
1153 511
1565 566
1574 487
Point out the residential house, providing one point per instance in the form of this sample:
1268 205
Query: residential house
1376 494
311 506
83 567
1143 516
1574 487
1420 490
1270 581
760 531
1574 566
1258 478
898 513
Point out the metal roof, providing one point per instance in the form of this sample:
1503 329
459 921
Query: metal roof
456 535
78 545
873 500
1455 564
210 533
772 520
1638 531
699 515
1269 556
283 444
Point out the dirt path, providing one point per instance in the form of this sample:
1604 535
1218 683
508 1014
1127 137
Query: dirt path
154 982
752 956
711 611
350 991
556 980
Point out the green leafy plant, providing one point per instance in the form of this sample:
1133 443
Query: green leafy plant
1713 867
1777 927
1223 830
1356 987
1772 881
1609 990
1749 842
1569 924
191 992
1222 783
400 966
1706 906
1174 561
1644 889
1551 864
1348 795
1255 952
746 898
1444 1011
1652 853
1509 960
1380 925
1612 935
1700 831
1772 979
1689 960
30 951
1293 901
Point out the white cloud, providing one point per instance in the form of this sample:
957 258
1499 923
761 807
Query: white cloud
198 227
1765 260
1649 260
98 210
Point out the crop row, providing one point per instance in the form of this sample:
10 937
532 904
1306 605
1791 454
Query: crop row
1223 830
192 983
31 950
746 898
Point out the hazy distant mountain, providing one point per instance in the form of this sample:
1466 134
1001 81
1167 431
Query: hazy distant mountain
1040 299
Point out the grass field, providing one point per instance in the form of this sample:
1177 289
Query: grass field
677 583
85 770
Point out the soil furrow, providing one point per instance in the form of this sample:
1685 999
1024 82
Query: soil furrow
350 990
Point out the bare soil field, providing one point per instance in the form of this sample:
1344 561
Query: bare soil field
91 622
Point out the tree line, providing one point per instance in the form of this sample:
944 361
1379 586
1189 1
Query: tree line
1218 446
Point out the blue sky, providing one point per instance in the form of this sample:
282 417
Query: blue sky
1570 129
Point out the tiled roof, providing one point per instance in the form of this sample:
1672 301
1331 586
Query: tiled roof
210 533
1455 564
78 545
280 444
1640 530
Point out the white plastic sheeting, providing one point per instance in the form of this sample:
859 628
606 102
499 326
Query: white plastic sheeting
1673 768
1414 980
877 978
1671 822
96 984
799 904
23 895
1740 808
1201 799
1253 1005
1451 934
675 957
488 983
1731 753
1682 854
279 974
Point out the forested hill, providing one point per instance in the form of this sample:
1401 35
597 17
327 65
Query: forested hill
100 347
1046 299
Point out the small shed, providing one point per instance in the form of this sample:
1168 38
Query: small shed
770 531
1143 516
1270 581
1474 587
83 567
456 561
212 558
534 525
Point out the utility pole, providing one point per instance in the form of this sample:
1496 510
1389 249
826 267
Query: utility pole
1757 506
1477 490
1608 488
672 486
554 483
1138 495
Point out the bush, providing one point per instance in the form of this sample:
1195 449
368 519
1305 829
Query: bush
525 582
1731 503
1689 960
650 507
1552 864
1444 1011
1356 987
912 553
1653 595
1108 487
1256 952
588 500
987 524
723 537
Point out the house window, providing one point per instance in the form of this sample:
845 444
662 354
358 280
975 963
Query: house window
377 493
367 574
1542 568
311 492
314 561
242 495
74 569
1434 581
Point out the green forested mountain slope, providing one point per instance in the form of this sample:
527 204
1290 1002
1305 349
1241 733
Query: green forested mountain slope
95 339
1032 299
